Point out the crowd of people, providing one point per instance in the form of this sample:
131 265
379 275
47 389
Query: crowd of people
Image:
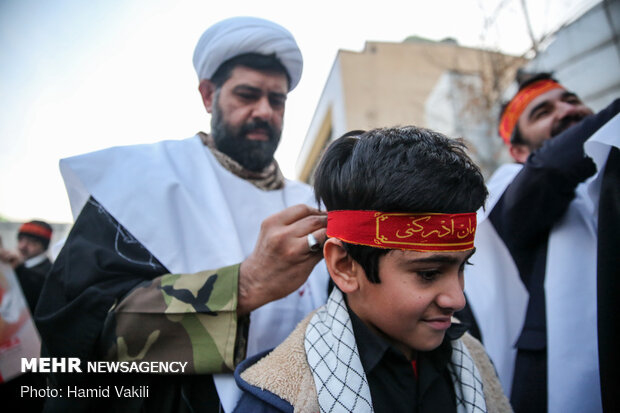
347 296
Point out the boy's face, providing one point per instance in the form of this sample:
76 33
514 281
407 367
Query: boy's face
416 298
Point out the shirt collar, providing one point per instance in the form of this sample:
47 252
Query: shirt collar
36 260
370 346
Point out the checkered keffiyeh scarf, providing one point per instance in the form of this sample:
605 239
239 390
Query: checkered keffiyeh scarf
466 380
339 377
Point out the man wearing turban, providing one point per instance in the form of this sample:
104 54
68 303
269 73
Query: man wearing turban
196 251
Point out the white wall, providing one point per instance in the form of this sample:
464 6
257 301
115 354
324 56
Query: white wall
585 55
451 110
332 98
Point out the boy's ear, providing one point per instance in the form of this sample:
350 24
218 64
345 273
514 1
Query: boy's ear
207 92
343 269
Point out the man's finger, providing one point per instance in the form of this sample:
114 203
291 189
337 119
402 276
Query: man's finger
308 224
295 213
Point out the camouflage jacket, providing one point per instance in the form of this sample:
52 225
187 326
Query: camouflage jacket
108 298
194 314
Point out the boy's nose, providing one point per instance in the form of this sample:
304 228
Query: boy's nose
452 297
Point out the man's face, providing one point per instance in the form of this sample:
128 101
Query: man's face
247 116
548 115
29 247
416 298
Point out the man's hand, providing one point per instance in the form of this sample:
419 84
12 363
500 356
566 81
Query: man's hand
12 258
281 261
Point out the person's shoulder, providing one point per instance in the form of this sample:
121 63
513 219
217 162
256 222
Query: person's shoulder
505 172
297 191
285 361
293 183
163 146
280 377
120 158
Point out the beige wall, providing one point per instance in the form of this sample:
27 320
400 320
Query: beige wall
388 83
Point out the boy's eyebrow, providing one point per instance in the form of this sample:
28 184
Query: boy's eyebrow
442 258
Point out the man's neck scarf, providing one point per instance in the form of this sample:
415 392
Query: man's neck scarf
268 179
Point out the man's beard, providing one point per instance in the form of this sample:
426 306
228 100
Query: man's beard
252 155
556 129
567 122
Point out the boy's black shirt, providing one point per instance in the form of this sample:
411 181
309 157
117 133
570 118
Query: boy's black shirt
392 382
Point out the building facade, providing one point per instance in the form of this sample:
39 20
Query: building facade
439 85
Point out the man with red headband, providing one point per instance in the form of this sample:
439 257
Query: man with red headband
534 206
401 223
31 264
30 261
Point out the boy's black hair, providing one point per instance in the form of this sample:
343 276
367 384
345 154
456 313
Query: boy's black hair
400 169
262 63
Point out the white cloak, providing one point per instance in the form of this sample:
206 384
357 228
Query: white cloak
494 290
194 215
570 290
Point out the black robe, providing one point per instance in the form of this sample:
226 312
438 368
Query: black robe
99 264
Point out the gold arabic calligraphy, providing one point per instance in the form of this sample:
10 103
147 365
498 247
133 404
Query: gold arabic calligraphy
446 228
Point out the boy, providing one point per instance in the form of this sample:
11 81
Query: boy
401 208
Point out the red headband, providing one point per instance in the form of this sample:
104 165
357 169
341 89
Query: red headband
31 228
417 232
517 105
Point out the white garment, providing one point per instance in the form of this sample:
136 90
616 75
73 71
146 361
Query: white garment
194 215
493 287
36 260
570 290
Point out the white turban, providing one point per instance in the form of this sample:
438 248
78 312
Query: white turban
239 35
